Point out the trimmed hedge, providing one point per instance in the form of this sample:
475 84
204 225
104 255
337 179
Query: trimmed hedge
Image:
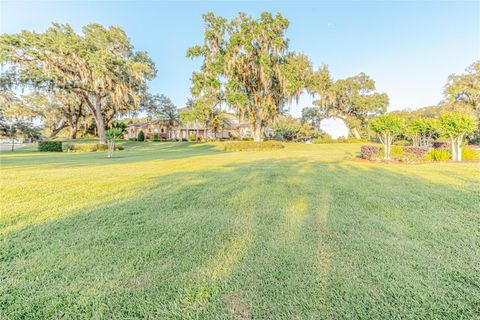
252 145
90 147
50 146
369 152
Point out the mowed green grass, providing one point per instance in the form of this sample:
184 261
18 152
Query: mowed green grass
187 231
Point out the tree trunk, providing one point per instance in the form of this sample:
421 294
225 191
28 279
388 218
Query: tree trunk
386 146
73 131
416 141
389 145
100 129
257 133
97 116
99 121
459 148
355 133
453 142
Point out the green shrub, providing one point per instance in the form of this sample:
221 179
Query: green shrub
328 139
470 154
90 147
50 146
155 137
324 140
141 136
396 152
191 137
247 139
438 155
350 140
403 143
252 145
85 147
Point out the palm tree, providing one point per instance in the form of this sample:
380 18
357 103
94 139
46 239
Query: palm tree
218 120
170 115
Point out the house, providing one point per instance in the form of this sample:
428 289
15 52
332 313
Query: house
149 128
234 129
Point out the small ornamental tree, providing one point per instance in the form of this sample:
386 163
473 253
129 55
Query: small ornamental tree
141 136
456 125
421 130
111 135
387 127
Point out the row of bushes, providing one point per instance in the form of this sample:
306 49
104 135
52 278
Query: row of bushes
200 138
252 145
90 147
328 139
415 154
56 146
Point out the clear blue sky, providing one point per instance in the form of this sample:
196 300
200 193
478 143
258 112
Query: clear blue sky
409 48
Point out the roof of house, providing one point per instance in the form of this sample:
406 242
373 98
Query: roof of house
138 124
145 124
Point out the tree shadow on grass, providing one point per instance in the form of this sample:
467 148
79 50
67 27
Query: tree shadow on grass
266 239
133 153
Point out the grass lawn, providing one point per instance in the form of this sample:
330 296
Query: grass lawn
185 230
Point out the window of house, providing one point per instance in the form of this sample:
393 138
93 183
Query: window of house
162 130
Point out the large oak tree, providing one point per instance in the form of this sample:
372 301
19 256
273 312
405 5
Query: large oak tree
99 66
353 100
247 64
